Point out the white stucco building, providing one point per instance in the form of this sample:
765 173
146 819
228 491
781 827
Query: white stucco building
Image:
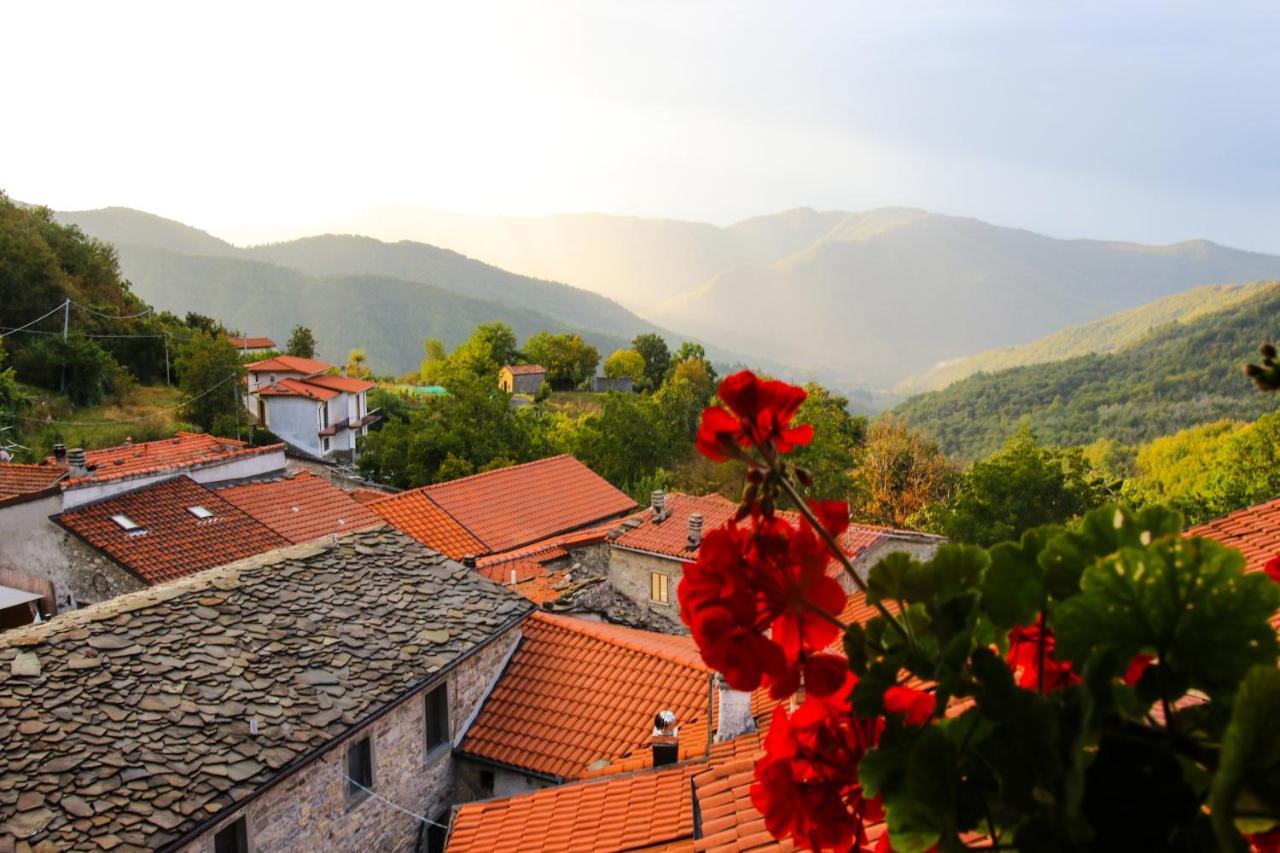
314 412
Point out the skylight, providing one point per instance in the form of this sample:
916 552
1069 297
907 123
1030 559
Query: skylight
199 511
126 523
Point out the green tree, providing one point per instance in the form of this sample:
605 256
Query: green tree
625 363
358 364
899 473
569 360
657 358
837 443
80 367
625 441
691 353
1022 486
210 376
302 343
697 373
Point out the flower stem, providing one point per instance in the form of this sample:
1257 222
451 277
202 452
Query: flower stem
834 547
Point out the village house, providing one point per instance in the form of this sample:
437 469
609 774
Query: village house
647 552
612 384
521 378
319 415
304 699
39 556
252 346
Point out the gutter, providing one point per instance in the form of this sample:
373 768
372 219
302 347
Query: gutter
299 763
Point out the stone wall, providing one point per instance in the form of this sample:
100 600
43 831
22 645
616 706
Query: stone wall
32 544
506 782
310 809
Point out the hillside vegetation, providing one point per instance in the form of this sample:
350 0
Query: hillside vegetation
1176 377
1106 334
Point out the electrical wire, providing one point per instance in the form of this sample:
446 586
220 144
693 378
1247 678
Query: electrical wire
36 320
378 796
143 313
157 412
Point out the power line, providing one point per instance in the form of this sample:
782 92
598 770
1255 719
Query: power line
36 320
203 393
378 796
142 313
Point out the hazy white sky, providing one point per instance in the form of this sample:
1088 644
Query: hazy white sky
1153 122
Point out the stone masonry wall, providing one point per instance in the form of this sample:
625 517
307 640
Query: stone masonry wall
310 810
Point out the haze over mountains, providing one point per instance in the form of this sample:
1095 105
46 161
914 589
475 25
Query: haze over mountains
868 299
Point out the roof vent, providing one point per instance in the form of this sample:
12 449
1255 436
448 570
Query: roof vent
60 453
469 560
658 501
665 739
76 462
695 529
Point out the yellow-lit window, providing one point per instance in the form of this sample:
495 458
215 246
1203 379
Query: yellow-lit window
658 587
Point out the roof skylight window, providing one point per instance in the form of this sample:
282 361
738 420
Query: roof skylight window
127 524
200 512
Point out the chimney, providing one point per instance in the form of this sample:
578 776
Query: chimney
128 441
469 560
734 711
695 529
60 454
665 739
658 501
77 462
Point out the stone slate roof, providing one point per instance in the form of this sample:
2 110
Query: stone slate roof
126 724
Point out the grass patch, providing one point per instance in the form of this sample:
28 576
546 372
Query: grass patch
144 413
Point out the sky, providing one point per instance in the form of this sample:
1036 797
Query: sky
1154 122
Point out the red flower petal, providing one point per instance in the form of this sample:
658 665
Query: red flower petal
1272 568
916 706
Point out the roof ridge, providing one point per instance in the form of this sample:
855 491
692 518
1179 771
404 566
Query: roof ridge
600 632
471 477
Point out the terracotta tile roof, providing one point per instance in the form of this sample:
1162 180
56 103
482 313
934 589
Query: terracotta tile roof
577 694
729 821
417 515
524 369
670 536
347 384
635 811
252 343
301 507
16 479
367 496
184 450
505 509
1255 531
514 506
159 739
289 364
170 541
297 388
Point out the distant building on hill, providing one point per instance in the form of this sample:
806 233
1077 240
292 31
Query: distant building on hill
252 346
606 384
521 378
317 414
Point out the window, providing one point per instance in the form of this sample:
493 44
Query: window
232 838
200 512
658 587
324 444
437 831
127 524
359 769
437 713
324 416
486 782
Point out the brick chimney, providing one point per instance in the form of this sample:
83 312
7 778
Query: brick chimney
658 501
733 711
77 462
695 529
665 739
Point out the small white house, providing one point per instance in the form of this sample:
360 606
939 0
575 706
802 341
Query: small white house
314 412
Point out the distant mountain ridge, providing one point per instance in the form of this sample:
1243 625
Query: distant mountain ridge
352 291
1183 374
1106 334
868 298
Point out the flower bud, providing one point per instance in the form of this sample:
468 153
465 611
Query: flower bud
755 475
805 478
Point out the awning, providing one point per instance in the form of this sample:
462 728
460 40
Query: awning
10 597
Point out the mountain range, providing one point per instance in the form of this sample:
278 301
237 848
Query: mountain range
863 299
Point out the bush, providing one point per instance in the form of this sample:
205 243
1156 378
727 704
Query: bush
84 370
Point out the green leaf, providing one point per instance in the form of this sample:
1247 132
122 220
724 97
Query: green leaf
1189 599
1250 757
887 579
954 570
855 648
1100 533
922 808
1013 587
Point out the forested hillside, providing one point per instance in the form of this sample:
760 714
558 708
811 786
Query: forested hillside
1176 377
1106 334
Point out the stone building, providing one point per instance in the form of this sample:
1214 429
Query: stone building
300 700
649 550
521 378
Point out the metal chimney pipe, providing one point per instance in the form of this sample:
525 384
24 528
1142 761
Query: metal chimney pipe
695 529
665 739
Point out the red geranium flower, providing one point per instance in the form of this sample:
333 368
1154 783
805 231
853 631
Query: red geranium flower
807 783
759 414
1137 666
915 706
1025 660
1272 568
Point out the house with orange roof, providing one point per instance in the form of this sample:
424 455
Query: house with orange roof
251 345
37 554
300 506
648 551
318 414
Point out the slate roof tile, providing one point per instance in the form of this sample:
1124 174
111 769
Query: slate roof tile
170 541
282 619
301 507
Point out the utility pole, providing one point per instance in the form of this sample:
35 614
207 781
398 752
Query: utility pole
66 321
166 359
235 398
